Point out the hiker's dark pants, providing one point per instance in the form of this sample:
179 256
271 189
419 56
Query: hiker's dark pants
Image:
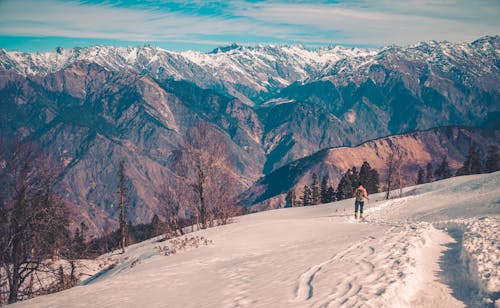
359 204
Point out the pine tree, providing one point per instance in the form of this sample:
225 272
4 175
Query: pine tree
306 197
492 159
324 190
83 230
472 163
315 190
130 234
78 243
291 198
430 173
79 240
369 178
421 176
330 195
443 171
476 166
354 176
374 182
345 188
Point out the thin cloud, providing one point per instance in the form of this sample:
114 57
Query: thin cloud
72 19
355 22
370 25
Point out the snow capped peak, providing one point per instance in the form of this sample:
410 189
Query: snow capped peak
223 49
59 50
492 39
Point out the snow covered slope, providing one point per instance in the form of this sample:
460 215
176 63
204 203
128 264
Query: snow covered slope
401 256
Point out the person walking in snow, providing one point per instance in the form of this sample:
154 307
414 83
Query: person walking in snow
361 195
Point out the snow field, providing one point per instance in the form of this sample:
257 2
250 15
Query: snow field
319 256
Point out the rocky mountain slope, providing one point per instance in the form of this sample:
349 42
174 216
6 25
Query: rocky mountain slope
418 149
90 119
92 107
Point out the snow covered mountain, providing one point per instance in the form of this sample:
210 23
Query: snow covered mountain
252 74
435 246
243 72
92 107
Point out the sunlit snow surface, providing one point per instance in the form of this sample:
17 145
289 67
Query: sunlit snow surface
437 246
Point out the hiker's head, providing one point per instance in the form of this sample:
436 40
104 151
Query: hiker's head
360 184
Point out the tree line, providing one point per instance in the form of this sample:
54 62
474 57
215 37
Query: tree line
473 164
319 193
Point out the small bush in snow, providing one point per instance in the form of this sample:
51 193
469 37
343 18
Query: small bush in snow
183 244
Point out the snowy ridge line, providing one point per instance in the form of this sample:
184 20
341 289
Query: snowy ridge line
480 252
241 60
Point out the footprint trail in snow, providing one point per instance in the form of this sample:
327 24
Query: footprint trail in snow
363 274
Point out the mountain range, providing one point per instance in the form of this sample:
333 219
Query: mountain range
92 107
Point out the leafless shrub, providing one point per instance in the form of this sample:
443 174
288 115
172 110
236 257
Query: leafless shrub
165 250
134 263
185 243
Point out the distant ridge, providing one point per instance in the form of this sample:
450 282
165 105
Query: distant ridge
419 148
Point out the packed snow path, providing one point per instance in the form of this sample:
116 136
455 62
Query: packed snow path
320 257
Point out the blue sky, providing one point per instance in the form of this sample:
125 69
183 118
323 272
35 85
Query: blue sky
41 25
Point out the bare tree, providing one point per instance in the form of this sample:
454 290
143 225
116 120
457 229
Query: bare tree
393 165
170 199
221 199
34 219
202 161
122 191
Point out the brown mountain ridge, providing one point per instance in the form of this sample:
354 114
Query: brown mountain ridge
418 149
